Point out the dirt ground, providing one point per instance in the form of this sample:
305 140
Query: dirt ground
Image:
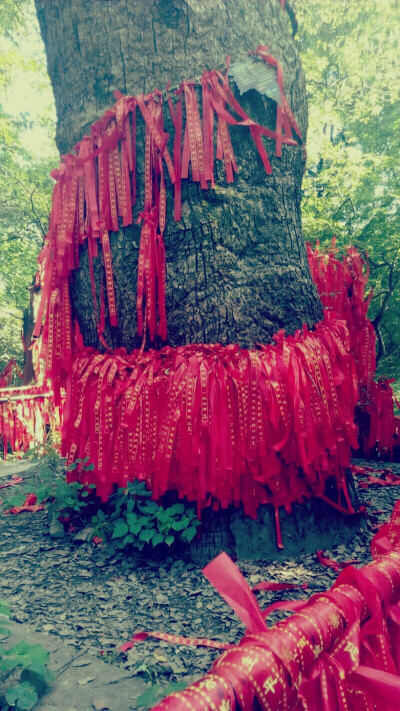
84 602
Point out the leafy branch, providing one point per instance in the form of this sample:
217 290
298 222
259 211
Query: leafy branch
31 194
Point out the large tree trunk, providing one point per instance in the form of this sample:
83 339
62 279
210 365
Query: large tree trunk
237 270
236 264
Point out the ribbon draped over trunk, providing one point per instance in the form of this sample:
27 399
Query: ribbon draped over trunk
96 189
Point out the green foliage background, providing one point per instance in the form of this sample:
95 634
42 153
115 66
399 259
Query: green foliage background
27 154
351 187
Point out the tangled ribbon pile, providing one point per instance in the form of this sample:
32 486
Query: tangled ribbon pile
339 651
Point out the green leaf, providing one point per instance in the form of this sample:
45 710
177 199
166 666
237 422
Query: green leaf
16 500
139 488
178 525
149 507
4 609
149 697
23 695
99 516
174 687
120 529
135 529
157 539
147 534
162 515
143 520
189 534
175 509
169 540
136 523
7 663
37 676
38 654
163 527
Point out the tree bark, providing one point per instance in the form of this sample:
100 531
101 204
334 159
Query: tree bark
28 323
237 270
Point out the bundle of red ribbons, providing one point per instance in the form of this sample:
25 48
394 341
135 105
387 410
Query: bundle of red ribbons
382 436
340 651
96 188
218 424
26 414
341 283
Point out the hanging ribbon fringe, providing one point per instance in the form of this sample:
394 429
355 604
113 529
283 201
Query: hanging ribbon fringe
341 284
95 190
381 440
217 424
26 414
339 651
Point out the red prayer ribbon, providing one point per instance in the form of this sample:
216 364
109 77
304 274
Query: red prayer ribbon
96 188
342 286
26 414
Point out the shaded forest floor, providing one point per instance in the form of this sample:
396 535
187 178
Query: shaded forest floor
86 602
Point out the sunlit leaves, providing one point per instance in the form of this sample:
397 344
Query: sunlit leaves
351 187
25 186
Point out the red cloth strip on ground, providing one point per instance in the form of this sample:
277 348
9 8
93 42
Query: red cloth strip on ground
30 504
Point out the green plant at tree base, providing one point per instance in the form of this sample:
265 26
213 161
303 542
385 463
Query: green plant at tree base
23 669
134 521
129 519
49 484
